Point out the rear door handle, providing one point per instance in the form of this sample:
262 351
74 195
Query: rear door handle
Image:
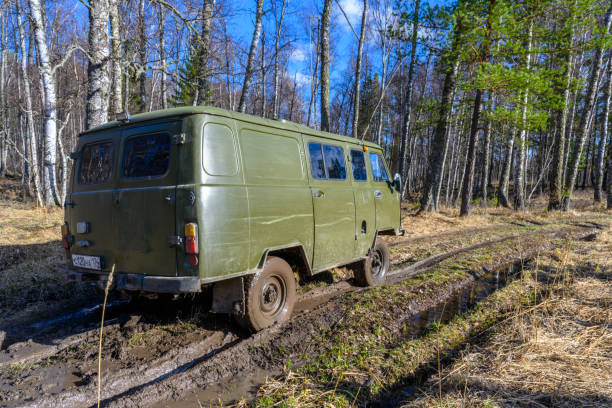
378 194
318 194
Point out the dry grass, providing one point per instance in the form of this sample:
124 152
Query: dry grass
447 218
558 353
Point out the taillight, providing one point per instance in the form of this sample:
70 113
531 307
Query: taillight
65 238
191 238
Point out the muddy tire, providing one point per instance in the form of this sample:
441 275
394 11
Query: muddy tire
270 296
373 270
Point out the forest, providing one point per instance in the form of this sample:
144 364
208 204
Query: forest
485 102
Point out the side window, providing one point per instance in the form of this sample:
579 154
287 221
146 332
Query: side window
219 157
359 167
334 162
146 155
379 173
97 161
317 166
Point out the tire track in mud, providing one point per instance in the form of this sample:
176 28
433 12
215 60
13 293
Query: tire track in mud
28 352
157 381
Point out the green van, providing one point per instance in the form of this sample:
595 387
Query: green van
186 198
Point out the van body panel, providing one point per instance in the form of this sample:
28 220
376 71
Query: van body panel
221 199
280 206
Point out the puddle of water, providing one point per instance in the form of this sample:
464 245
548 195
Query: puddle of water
225 392
83 313
460 301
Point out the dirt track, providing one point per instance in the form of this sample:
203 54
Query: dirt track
156 351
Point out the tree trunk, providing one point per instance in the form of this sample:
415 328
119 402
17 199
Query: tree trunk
588 107
502 193
248 73
50 193
519 175
279 26
468 181
324 80
263 74
98 76
558 165
31 136
357 90
599 174
116 98
142 55
486 156
3 122
203 87
403 168
162 59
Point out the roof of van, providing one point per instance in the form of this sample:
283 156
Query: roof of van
191 110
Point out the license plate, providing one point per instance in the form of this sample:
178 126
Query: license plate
87 261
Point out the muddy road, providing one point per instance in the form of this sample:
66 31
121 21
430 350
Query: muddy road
169 352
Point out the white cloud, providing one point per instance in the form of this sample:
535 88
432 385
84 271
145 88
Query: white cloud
302 79
352 9
298 54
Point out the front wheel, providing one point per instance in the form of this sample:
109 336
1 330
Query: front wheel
374 269
270 296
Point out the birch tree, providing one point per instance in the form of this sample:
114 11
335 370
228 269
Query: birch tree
603 137
279 26
49 183
116 75
203 81
364 14
324 77
248 72
98 76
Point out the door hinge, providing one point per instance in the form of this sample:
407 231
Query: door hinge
179 139
175 240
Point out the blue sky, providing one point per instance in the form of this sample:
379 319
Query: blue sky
343 42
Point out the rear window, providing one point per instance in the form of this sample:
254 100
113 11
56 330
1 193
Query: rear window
326 161
96 163
146 155
379 172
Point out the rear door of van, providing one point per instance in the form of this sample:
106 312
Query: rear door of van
144 201
89 204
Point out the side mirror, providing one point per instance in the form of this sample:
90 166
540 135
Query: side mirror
397 182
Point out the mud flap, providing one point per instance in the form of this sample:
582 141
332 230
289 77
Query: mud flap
229 296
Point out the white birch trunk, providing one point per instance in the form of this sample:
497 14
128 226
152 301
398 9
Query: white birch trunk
98 78
248 73
116 76
30 135
279 26
49 182
519 173
364 16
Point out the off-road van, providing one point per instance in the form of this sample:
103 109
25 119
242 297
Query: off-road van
187 198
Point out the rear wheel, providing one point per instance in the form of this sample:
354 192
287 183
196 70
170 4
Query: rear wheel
373 270
270 296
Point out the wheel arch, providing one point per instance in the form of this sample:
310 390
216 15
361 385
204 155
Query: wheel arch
293 254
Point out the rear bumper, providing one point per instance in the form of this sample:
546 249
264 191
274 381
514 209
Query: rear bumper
138 282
